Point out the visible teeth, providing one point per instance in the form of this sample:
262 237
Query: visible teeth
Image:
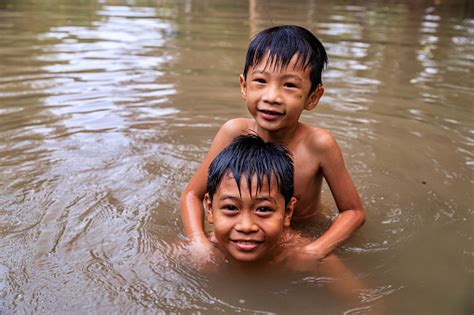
246 242
269 112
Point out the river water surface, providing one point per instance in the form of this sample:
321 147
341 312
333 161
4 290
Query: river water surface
107 107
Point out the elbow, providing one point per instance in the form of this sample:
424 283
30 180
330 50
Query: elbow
361 217
183 198
189 196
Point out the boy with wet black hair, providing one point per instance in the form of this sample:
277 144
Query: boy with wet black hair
250 202
281 79
250 199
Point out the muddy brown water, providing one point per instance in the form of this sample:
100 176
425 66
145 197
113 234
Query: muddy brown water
106 108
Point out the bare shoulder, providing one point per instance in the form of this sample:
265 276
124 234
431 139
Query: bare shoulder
319 140
322 144
228 131
237 126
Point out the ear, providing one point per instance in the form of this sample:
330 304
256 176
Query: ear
243 87
289 212
208 206
314 97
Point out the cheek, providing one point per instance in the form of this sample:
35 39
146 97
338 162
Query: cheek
251 108
274 230
222 227
250 99
252 95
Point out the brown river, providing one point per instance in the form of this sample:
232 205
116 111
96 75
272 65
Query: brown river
107 107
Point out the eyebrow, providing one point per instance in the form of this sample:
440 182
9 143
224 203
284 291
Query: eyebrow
271 199
286 76
291 76
227 197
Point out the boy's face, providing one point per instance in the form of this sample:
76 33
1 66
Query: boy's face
248 225
276 97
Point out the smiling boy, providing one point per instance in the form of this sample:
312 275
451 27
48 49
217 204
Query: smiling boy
281 79
250 203
249 198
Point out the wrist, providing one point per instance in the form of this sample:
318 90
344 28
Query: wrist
318 249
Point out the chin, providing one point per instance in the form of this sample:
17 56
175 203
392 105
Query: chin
248 258
269 126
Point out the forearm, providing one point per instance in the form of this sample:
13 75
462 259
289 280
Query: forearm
341 229
344 282
192 216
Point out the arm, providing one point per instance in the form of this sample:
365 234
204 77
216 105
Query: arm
343 281
192 212
351 212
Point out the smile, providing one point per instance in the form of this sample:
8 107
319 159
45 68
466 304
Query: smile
246 245
270 115
270 112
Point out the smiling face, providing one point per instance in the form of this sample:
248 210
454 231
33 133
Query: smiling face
248 225
276 96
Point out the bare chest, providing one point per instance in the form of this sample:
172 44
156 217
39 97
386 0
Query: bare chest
308 182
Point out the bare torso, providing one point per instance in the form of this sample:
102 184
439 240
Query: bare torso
307 190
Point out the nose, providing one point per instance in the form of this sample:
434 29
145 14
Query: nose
272 94
246 224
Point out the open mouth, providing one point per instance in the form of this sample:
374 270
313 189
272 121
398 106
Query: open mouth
270 112
269 115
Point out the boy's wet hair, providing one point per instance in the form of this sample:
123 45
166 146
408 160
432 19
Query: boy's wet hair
249 156
282 43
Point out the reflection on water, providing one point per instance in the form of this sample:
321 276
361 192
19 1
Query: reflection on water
106 107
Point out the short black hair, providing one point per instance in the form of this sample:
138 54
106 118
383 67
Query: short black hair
282 43
249 155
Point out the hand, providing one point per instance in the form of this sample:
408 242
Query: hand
204 255
200 249
300 257
314 251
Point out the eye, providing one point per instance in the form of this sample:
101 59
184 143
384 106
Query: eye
290 85
264 210
259 81
229 208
